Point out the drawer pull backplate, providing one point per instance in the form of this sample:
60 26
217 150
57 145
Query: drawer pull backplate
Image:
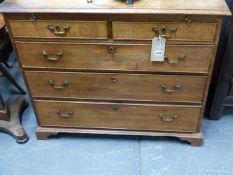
58 30
68 115
62 86
58 56
166 89
164 31
182 57
168 117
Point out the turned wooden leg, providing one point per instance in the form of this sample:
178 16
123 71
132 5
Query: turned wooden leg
13 126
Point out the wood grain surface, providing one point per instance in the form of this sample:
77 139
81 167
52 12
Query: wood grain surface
118 116
126 57
143 31
104 81
78 29
116 86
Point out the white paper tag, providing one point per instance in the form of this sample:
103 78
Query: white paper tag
158 49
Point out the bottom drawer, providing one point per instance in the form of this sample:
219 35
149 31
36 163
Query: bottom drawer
123 116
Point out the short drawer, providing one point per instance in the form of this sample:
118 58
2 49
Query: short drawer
171 31
118 116
180 58
108 86
59 29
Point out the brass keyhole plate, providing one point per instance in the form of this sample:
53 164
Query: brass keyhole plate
163 30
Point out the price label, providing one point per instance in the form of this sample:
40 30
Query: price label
158 49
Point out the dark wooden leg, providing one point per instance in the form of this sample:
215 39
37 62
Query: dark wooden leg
4 110
7 74
6 64
216 112
4 55
6 47
13 126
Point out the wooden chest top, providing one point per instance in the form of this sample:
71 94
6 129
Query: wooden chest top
201 7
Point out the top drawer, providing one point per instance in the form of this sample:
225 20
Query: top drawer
172 31
59 29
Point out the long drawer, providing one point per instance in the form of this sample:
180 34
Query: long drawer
118 116
145 87
124 57
59 29
172 31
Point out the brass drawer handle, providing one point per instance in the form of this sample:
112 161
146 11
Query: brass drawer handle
182 57
164 31
58 30
168 117
63 85
68 115
166 89
58 56
111 50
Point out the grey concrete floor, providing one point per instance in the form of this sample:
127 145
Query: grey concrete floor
114 155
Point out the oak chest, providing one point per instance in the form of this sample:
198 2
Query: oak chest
88 64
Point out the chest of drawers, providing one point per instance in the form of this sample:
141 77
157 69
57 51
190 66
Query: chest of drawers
88 65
